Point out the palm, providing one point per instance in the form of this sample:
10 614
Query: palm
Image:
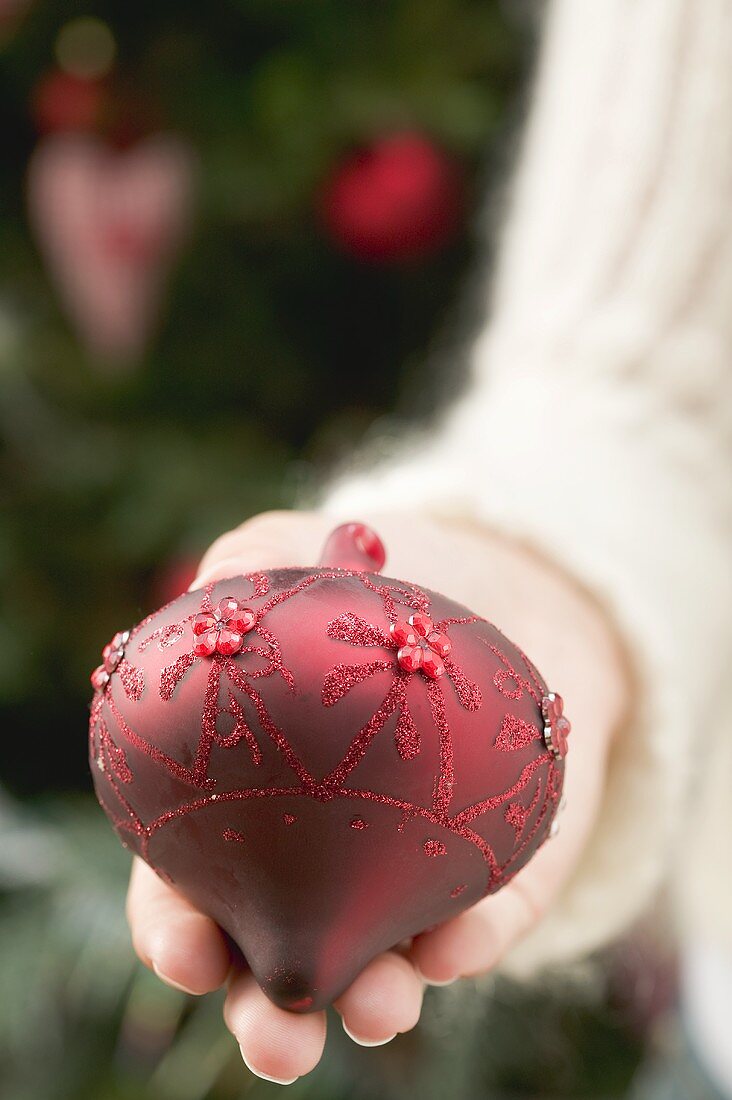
526 599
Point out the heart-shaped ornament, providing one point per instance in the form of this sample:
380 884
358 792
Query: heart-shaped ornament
109 224
326 761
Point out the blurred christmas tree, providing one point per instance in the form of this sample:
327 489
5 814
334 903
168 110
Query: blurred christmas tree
231 236
340 154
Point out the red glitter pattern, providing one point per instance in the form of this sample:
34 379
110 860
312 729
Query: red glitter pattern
240 694
341 679
508 675
133 680
171 675
165 637
516 815
406 735
356 631
112 756
412 638
515 734
351 628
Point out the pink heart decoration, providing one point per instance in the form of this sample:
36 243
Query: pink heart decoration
109 224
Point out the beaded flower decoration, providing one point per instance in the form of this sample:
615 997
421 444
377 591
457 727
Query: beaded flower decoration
556 727
222 630
112 655
421 647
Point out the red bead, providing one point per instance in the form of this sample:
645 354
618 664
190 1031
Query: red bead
99 678
228 607
111 657
229 641
422 624
552 706
206 643
203 622
559 736
432 664
410 657
242 620
403 634
558 727
440 643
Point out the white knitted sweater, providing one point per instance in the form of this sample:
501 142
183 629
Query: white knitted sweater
597 421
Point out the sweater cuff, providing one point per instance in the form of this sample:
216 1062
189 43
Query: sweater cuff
629 524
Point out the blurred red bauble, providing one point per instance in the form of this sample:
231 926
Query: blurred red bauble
62 102
399 199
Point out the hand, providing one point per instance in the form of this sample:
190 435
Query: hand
526 598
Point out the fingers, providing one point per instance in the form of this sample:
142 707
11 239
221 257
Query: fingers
476 940
280 1046
385 999
270 540
185 949
277 1045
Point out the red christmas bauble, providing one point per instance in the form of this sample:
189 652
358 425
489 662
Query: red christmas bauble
396 200
62 102
326 761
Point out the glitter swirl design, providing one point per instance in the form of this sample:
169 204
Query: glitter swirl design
232 691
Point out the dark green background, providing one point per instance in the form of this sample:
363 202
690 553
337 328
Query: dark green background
276 354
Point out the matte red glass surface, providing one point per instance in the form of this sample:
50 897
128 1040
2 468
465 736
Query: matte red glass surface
312 795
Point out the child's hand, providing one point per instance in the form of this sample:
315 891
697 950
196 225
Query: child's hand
574 649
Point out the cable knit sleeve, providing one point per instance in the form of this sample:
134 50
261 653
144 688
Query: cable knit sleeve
601 386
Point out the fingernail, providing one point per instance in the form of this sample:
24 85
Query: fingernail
222 571
266 1076
432 981
169 981
367 1042
204 578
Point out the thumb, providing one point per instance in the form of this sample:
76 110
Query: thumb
271 540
